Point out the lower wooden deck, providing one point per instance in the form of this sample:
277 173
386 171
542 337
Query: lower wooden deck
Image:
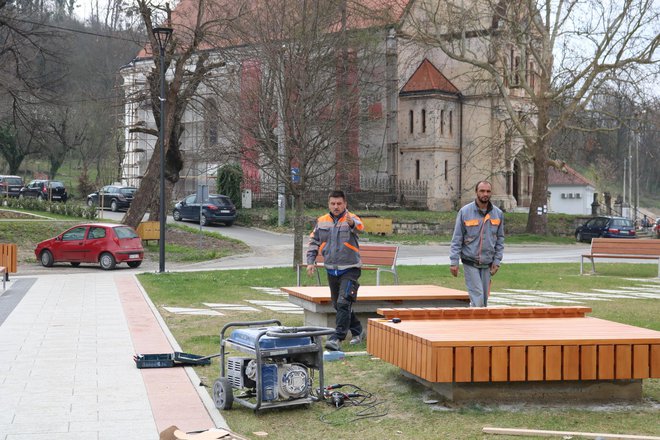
514 344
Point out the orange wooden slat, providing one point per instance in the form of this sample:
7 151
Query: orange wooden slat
535 363
623 362
463 364
517 363
553 362
499 364
571 362
444 370
641 365
655 360
588 362
481 364
605 362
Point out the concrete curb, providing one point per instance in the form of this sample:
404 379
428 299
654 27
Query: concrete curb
213 412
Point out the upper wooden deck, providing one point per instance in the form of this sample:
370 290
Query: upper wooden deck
535 344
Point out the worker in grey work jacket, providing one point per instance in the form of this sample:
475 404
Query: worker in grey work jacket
479 243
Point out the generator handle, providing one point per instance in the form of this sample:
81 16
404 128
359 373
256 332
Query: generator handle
246 324
299 332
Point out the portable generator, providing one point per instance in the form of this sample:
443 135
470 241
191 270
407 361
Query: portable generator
278 369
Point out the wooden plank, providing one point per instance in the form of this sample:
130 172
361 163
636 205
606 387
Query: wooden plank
655 360
444 357
463 364
553 362
499 364
564 434
535 363
623 362
605 362
481 364
571 362
517 363
641 364
588 362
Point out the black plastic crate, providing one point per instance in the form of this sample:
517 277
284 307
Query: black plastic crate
167 360
154 360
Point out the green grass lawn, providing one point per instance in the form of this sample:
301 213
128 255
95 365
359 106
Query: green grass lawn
400 411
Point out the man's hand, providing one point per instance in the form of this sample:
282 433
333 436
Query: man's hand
454 270
494 269
349 219
310 269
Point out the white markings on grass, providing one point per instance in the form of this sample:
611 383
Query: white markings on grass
189 311
528 297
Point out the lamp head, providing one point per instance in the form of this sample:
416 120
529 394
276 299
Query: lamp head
162 35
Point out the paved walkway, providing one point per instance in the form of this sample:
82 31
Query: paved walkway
67 369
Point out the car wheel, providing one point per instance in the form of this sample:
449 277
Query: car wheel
578 237
113 206
107 261
176 215
204 221
229 223
46 258
90 203
134 264
75 263
223 396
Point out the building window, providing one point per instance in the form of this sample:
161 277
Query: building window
451 122
531 80
417 169
442 122
446 170
423 121
411 120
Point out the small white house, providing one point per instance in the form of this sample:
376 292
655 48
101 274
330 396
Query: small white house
570 192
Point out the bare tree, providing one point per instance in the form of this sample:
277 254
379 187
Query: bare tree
197 24
539 56
292 114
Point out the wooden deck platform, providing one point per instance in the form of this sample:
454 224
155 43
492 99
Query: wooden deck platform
317 304
441 345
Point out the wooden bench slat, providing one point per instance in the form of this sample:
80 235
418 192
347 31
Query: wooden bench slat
626 248
381 258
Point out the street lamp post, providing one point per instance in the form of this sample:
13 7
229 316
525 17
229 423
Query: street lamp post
162 35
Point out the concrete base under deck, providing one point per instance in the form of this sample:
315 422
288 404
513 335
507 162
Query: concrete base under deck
569 392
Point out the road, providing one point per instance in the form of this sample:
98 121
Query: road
276 249
270 249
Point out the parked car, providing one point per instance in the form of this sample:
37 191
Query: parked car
217 209
115 197
607 227
656 228
10 186
52 190
103 243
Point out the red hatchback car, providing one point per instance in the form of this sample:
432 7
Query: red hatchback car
103 243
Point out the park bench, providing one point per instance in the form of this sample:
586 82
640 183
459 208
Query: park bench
541 349
381 258
641 249
8 260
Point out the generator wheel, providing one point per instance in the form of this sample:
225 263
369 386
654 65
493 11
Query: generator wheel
223 396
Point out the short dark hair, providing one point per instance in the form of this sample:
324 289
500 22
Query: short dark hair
476 187
337 193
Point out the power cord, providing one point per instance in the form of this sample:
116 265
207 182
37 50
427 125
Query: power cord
353 397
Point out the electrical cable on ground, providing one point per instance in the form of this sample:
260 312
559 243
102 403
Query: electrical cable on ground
368 404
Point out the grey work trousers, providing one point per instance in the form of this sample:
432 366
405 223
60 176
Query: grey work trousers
477 282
